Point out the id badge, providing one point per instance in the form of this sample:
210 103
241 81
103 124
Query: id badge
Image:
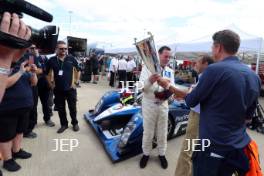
60 73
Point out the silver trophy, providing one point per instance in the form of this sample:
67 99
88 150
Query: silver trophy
147 51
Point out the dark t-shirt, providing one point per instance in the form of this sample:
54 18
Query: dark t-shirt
94 62
42 81
65 69
20 94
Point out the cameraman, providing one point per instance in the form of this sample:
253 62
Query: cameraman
17 28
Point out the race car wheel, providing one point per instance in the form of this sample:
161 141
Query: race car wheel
171 127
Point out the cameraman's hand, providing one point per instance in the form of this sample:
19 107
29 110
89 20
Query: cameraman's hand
14 26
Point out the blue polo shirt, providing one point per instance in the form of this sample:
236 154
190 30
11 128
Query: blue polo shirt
20 94
64 81
227 92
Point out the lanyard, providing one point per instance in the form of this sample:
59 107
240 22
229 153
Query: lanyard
60 65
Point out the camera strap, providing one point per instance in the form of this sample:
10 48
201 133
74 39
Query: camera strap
13 42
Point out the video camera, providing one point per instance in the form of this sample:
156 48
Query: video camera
45 39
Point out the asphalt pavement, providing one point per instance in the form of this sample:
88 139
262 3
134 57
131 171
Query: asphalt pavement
89 158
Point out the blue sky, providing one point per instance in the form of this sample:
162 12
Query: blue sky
115 23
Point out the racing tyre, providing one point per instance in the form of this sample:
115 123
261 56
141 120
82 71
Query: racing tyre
171 127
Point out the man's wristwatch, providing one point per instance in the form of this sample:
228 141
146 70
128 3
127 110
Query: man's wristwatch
4 71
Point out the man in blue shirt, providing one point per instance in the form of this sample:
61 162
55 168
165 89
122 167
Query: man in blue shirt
228 92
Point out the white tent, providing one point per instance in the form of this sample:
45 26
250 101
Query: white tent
249 43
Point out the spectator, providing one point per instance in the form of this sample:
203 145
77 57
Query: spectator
131 66
102 63
87 72
113 70
95 67
65 72
32 57
122 67
14 114
44 92
107 64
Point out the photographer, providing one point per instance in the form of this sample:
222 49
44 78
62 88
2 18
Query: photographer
14 113
227 91
18 28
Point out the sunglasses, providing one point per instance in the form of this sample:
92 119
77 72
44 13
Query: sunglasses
61 49
32 48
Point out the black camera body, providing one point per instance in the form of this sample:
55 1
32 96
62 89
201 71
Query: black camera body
45 39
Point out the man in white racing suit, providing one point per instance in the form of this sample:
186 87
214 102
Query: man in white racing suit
155 109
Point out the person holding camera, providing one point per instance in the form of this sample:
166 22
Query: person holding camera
64 70
227 92
11 24
14 113
17 28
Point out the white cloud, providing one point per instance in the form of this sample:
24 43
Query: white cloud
122 20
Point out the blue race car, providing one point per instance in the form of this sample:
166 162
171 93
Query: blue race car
118 123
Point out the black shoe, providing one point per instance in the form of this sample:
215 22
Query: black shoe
11 165
94 82
62 129
50 123
144 161
30 135
163 162
22 154
1 174
76 128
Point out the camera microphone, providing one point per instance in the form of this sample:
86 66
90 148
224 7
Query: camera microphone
26 7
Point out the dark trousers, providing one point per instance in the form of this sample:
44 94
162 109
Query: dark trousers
112 79
71 97
46 99
122 77
130 78
33 117
235 161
